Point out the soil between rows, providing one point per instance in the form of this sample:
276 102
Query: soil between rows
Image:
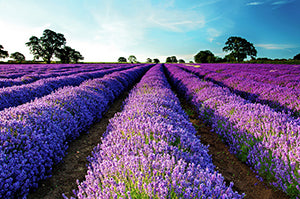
74 164
228 165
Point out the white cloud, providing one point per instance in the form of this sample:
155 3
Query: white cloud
213 33
255 3
276 46
280 2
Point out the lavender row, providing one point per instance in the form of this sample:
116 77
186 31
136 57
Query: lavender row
278 97
35 136
18 70
150 150
267 140
281 75
16 95
30 77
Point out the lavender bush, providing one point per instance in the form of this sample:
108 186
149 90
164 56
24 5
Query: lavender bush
35 136
267 140
150 150
16 95
249 86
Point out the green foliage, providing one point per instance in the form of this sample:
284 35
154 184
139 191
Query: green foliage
204 57
122 59
68 54
171 59
168 60
156 60
297 57
149 60
47 45
239 48
17 56
3 53
132 59
181 61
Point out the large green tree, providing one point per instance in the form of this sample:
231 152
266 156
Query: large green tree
168 60
156 60
297 57
3 53
132 59
239 48
174 59
204 56
68 54
47 45
17 56
122 59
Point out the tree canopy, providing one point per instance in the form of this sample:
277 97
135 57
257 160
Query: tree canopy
122 59
17 56
68 54
132 59
149 60
171 59
297 57
156 60
181 61
47 45
205 56
3 53
239 48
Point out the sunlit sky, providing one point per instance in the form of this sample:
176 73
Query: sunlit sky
104 30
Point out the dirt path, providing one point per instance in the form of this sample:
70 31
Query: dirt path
74 165
228 165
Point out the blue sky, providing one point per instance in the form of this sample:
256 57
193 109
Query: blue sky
103 30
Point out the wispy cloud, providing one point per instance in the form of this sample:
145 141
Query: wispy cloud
255 3
212 34
280 2
276 46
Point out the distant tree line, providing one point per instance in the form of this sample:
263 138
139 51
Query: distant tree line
238 48
49 45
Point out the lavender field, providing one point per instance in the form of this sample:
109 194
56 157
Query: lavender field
150 149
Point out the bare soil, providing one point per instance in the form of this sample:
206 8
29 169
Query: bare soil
228 165
74 164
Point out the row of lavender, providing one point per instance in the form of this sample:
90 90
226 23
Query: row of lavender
17 95
282 75
35 136
30 76
13 71
278 97
267 140
150 150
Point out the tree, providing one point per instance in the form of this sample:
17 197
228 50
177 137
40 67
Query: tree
239 48
181 61
174 59
122 59
205 56
168 60
17 56
47 45
132 59
297 57
76 56
229 58
3 53
68 54
149 60
156 60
